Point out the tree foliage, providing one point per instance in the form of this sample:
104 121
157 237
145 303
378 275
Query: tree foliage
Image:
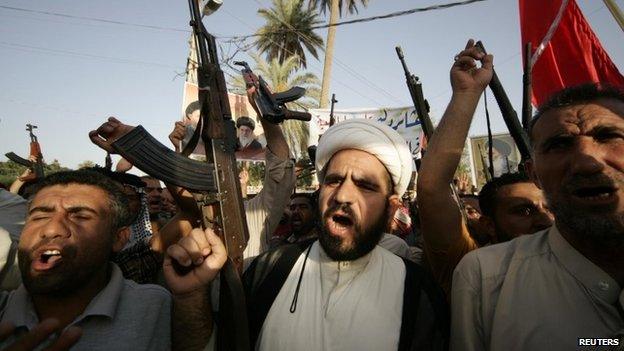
349 5
287 31
10 170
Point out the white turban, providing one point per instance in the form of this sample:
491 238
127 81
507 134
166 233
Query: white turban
379 140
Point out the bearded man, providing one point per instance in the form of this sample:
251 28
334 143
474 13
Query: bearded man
560 288
342 291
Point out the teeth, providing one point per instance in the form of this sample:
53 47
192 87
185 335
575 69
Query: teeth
51 252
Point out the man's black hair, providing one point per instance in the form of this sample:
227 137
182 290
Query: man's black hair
311 197
489 192
118 203
121 177
576 95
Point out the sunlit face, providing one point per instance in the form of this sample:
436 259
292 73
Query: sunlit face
578 160
520 209
67 238
356 198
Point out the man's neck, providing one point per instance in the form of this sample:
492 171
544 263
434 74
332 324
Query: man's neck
67 307
607 256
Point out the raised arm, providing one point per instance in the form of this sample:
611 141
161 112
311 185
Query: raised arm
265 210
445 234
203 255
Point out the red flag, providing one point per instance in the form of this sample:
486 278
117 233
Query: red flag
574 54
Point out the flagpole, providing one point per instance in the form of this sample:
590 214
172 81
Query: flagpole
616 12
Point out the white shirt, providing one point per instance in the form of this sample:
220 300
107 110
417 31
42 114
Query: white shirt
535 292
265 210
350 305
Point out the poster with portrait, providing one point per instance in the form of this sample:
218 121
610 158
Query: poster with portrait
505 156
250 139
250 136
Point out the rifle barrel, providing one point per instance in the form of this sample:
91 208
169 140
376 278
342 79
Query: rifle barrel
509 114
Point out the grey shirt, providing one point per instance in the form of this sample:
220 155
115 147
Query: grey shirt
123 316
535 292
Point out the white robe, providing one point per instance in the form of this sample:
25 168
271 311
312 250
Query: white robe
351 305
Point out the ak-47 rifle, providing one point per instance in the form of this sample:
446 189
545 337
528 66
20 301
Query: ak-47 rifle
332 120
420 104
509 114
35 151
214 184
272 107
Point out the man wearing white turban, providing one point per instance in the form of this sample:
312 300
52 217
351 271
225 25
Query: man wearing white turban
342 291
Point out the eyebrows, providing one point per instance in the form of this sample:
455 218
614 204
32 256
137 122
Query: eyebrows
70 209
363 180
563 134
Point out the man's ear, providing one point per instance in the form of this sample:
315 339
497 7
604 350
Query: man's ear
529 167
121 238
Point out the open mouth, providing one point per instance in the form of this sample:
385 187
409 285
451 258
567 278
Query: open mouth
341 220
47 260
596 193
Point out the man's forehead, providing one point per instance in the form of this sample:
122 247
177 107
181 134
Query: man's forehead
359 159
589 114
70 195
522 190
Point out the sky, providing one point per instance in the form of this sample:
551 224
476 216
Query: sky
67 75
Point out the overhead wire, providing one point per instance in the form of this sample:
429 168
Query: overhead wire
373 18
95 19
290 52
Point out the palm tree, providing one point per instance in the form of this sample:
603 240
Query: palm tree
281 77
336 8
288 29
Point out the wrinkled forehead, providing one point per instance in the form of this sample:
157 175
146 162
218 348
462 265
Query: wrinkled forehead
579 118
68 195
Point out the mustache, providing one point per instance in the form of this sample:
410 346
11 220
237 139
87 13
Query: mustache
67 250
345 208
576 182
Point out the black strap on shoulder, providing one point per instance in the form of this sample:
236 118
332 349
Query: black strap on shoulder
411 298
425 320
259 304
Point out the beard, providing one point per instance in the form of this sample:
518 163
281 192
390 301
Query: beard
364 239
600 225
73 273
244 141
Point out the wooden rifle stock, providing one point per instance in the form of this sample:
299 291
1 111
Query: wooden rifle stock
223 211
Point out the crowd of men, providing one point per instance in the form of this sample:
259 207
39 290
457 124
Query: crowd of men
108 260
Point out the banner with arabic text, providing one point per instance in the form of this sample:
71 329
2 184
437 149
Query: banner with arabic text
402 119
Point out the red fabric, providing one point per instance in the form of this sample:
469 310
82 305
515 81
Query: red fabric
574 54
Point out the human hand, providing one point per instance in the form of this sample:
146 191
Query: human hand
123 166
464 185
39 334
177 135
203 252
466 77
108 133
